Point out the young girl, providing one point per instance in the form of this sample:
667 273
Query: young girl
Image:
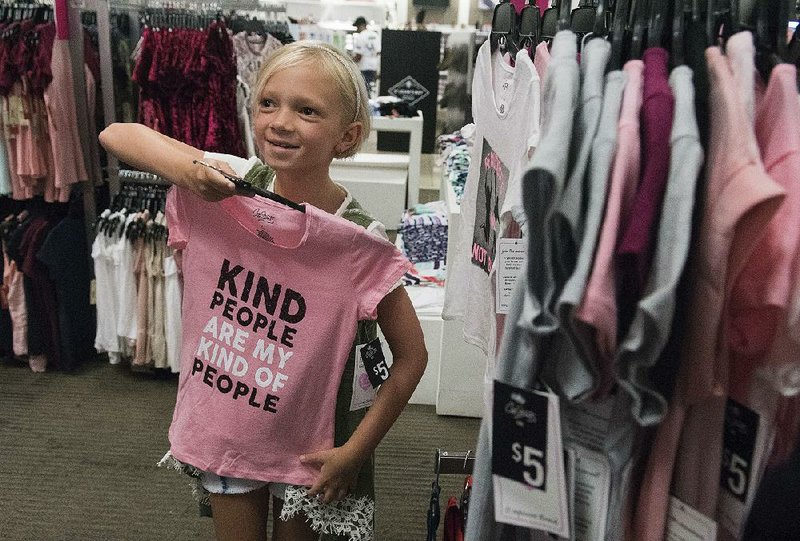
310 106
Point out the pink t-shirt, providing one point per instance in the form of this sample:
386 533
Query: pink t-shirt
271 301
764 290
598 309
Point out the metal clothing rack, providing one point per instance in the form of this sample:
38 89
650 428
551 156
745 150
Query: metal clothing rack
448 463
141 177
445 463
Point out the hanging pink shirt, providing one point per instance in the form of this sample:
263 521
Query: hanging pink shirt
739 201
764 290
599 306
271 301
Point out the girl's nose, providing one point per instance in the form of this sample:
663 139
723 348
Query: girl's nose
281 120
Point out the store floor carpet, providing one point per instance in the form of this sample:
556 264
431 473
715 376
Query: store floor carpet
78 460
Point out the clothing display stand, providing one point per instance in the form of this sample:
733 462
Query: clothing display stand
446 463
386 183
103 10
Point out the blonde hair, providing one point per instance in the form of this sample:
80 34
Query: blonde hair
335 65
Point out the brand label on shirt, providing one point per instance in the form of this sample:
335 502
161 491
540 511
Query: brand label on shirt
511 258
684 523
527 460
363 391
592 484
375 362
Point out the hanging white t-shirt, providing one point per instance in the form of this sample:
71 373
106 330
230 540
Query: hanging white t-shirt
173 325
107 296
505 104
126 286
368 45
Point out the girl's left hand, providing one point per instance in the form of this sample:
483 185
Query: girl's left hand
339 469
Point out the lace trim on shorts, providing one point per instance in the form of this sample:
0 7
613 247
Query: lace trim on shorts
198 492
352 516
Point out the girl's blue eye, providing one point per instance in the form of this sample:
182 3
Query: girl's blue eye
266 102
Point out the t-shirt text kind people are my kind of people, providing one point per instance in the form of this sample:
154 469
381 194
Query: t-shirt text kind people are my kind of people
242 340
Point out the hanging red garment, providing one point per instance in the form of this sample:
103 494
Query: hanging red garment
453 521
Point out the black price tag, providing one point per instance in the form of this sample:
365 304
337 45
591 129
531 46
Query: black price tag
741 429
375 363
519 435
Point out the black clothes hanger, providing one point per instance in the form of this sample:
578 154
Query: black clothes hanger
529 27
619 34
722 20
246 188
677 50
504 28
656 32
549 22
772 22
640 19
582 17
600 26
564 15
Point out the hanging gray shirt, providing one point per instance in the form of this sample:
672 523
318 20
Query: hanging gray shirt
574 375
544 181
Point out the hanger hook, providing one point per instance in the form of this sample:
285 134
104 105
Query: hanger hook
466 458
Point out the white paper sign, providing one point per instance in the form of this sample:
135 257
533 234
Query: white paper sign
685 523
363 391
588 423
541 502
592 489
511 258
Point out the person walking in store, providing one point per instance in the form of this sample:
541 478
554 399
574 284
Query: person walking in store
366 47
309 108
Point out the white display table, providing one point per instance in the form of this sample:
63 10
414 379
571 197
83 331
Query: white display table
453 379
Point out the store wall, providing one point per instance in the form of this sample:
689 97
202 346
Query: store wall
449 15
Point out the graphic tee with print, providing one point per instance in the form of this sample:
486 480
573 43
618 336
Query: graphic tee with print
271 300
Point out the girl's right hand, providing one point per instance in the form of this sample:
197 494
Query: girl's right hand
211 185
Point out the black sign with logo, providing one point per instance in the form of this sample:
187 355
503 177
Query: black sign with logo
375 362
739 441
519 435
410 71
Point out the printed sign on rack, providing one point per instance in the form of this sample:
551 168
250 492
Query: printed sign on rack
744 442
592 479
528 460
511 263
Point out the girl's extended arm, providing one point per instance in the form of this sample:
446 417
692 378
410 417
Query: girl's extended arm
148 150
400 326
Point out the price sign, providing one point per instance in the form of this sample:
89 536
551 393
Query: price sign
741 429
528 474
519 435
375 362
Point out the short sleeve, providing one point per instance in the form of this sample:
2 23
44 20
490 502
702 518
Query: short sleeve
178 213
377 267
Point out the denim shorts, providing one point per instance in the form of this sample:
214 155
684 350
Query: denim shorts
217 484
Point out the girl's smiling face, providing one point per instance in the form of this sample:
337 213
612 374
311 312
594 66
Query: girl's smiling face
298 123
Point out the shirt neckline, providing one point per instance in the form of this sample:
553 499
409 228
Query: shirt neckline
234 206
